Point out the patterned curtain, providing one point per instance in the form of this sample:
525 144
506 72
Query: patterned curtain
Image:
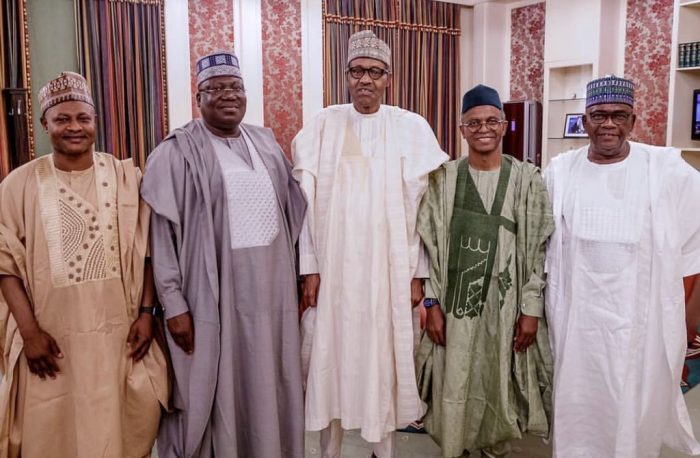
121 51
424 39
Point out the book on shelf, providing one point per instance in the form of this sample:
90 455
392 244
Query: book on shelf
689 55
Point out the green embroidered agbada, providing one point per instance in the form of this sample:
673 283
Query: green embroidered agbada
486 242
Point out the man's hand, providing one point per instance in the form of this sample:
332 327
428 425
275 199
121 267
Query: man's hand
692 309
309 291
140 336
416 291
525 332
41 351
181 329
435 324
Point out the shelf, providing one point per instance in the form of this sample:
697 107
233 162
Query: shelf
692 157
565 92
688 69
691 4
688 150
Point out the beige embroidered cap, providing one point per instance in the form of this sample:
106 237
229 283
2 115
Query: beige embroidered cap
65 87
366 44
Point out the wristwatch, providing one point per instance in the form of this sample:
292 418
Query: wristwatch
148 310
429 302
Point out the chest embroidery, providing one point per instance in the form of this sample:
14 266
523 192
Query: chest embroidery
83 241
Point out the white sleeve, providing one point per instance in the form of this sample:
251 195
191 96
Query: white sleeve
304 155
423 266
307 253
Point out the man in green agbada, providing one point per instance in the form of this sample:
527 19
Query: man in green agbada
484 363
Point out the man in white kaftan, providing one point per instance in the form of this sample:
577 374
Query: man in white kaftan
627 231
363 168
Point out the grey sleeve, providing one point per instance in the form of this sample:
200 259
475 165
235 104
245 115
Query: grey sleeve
166 268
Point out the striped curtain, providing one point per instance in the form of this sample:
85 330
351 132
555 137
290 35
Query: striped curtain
121 51
424 39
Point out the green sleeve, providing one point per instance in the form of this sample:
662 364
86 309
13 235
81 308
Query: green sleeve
539 225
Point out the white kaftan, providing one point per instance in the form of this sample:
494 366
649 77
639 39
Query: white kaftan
615 301
363 176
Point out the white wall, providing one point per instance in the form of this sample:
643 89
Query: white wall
572 30
491 47
177 51
247 44
612 37
311 57
586 31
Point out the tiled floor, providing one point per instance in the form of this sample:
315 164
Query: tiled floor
418 446
421 446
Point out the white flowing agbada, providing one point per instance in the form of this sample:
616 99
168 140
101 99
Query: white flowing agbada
363 177
626 235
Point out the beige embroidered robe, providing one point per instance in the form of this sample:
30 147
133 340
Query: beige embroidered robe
78 242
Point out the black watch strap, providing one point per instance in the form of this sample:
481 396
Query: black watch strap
152 310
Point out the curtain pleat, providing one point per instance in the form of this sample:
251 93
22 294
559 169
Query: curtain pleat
121 53
424 39
4 140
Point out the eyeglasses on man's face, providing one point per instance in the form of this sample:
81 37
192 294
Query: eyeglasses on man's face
617 117
375 73
474 125
218 91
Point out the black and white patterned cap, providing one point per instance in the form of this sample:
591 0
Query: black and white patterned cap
219 63
610 89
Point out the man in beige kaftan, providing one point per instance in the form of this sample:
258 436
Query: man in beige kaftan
363 168
80 376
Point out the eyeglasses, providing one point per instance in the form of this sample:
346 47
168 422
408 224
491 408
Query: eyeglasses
491 124
374 72
219 91
618 117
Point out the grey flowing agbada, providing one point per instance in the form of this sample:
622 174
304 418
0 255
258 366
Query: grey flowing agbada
240 393
486 244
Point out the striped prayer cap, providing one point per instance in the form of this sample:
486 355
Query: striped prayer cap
66 87
610 89
219 63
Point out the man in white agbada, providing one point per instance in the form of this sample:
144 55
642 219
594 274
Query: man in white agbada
627 230
363 168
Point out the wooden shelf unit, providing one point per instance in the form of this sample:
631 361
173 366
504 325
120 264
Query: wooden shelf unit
684 80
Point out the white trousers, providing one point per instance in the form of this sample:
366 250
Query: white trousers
332 439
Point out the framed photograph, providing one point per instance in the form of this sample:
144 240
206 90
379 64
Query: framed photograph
573 126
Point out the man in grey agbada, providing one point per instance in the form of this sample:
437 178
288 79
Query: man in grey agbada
226 215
